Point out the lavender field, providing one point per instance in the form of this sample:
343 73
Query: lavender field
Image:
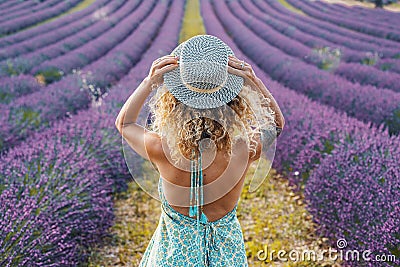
334 71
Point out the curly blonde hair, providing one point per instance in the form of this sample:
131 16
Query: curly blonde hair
184 127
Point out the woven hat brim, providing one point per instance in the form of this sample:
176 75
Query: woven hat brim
230 90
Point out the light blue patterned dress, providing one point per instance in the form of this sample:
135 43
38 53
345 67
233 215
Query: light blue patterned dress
177 243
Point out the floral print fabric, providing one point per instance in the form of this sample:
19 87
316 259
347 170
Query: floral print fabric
177 242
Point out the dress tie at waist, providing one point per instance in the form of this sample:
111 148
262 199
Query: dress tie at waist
211 240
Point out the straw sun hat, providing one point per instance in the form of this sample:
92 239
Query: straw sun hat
202 80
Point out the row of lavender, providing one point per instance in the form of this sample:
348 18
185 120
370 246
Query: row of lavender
339 36
348 169
14 24
371 17
18 47
51 26
302 45
346 20
37 110
7 3
48 57
10 87
329 31
364 37
78 48
12 6
362 12
378 60
353 48
57 198
366 103
16 11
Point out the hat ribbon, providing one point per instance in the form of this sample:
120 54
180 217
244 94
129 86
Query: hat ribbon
199 90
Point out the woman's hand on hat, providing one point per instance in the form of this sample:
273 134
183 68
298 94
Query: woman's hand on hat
159 67
242 69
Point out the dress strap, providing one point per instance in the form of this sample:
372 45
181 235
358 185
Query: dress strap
196 189
197 198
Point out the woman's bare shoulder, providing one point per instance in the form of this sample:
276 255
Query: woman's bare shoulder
153 146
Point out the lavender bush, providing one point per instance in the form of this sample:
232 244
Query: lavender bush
85 37
388 64
16 86
355 194
65 179
48 217
23 222
363 75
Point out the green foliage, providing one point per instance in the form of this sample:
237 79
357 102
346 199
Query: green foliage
326 58
386 66
10 69
25 117
371 58
393 122
50 74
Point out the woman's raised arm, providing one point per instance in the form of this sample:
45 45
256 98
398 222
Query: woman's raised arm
240 68
138 137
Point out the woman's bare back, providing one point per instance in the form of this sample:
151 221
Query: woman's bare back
223 183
